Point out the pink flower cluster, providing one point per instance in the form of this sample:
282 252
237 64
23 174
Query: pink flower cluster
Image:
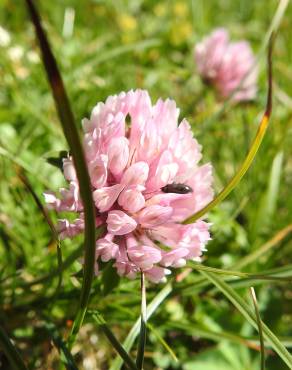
228 66
133 150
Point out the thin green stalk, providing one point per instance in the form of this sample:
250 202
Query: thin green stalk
11 352
113 340
72 137
151 308
251 154
142 337
260 329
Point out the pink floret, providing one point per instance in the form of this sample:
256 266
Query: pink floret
229 66
134 149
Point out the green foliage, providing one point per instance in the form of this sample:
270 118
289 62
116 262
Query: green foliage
119 45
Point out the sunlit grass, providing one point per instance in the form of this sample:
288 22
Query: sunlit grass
119 45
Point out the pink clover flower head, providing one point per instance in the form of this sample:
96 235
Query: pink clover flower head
133 150
228 66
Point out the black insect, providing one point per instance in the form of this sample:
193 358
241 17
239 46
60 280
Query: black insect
177 188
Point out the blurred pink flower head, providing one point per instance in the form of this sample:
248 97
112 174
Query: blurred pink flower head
133 150
228 66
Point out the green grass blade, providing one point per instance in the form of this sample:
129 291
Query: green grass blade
163 342
66 356
11 352
267 205
262 276
151 308
72 137
142 336
260 330
113 340
250 316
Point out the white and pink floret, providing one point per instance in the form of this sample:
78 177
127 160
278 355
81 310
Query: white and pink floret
229 66
133 150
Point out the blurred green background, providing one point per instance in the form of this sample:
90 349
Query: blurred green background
104 47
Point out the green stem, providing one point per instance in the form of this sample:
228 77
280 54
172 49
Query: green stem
152 307
142 337
11 352
260 327
250 156
72 137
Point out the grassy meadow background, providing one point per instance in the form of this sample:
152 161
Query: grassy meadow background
118 45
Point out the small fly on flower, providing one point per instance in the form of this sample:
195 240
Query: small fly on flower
177 188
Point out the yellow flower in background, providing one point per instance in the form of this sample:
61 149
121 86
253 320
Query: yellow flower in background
180 32
127 22
180 9
128 26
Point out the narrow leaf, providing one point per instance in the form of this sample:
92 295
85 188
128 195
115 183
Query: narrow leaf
250 316
260 330
113 340
11 352
151 308
72 137
66 356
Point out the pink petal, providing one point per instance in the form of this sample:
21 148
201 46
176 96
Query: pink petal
131 200
144 256
104 198
118 154
119 223
175 257
157 274
98 171
153 216
136 174
69 169
162 172
52 201
106 249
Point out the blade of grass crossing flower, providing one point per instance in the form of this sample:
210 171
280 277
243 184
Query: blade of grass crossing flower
142 337
151 308
72 137
250 316
260 330
11 352
113 340
251 154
